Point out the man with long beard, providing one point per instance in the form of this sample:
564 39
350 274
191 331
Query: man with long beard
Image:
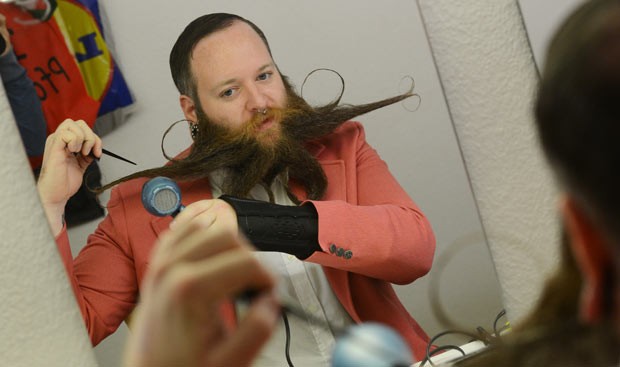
301 183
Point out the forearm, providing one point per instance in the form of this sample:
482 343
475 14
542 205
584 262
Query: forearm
53 211
280 228
387 241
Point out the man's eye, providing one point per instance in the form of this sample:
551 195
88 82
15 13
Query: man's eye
227 93
264 76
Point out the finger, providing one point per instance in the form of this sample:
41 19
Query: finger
220 277
64 125
72 136
196 244
98 147
85 137
90 138
206 243
84 134
174 237
84 161
67 139
192 211
79 136
250 336
66 145
215 212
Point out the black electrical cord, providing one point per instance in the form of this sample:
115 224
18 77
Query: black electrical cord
440 349
287 344
294 310
430 353
499 316
482 336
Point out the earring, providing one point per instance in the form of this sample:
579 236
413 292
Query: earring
193 130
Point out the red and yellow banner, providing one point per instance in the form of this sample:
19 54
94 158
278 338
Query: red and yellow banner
60 43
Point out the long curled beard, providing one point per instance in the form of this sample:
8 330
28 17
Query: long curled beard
252 157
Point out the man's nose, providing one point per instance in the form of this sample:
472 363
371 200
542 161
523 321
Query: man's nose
256 99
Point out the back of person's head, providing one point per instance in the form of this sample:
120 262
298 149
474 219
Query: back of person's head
578 110
199 28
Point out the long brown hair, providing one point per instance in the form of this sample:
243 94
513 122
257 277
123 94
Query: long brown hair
552 334
248 164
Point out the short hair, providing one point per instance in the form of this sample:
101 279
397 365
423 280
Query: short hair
578 110
199 28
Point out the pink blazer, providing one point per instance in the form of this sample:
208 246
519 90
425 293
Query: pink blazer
371 233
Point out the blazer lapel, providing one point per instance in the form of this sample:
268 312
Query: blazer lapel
334 171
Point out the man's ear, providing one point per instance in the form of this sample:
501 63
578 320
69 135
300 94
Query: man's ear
189 108
593 257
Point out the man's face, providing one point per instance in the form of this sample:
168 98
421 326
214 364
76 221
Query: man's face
237 79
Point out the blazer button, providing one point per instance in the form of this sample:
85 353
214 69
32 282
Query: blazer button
332 248
340 252
348 254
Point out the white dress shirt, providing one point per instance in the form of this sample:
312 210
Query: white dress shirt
305 286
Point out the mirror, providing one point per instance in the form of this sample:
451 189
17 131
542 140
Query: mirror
420 147
375 48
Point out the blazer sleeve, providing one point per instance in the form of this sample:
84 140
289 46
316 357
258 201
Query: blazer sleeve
378 231
25 104
103 275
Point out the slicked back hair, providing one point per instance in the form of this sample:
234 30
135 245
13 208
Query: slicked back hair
199 28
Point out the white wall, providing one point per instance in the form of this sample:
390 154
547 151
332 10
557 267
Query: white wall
40 322
373 46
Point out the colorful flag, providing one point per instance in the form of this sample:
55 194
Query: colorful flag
62 47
